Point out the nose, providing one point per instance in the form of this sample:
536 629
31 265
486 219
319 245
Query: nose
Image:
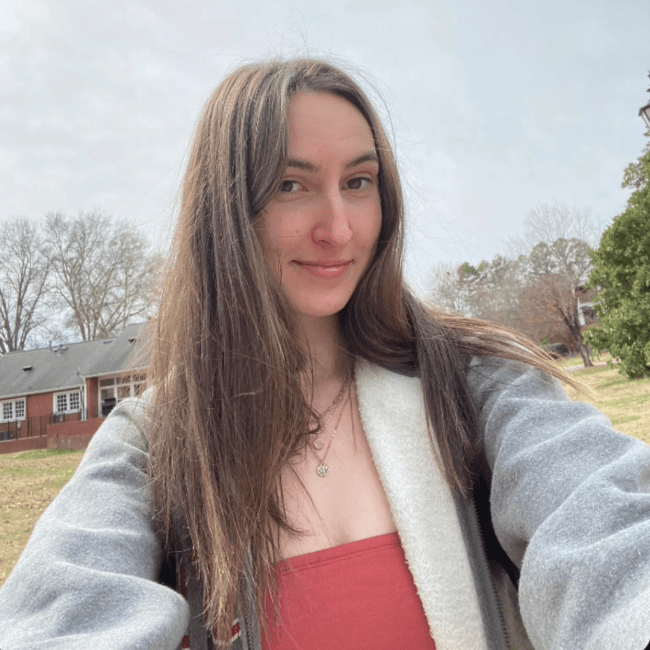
333 224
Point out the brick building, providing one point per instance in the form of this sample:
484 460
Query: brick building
57 397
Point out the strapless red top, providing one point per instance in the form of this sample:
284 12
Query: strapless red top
356 596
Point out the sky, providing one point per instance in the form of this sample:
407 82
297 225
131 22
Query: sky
497 106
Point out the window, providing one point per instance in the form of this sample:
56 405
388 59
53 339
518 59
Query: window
12 410
139 380
74 402
69 402
114 389
61 403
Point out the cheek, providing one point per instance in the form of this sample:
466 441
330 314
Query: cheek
276 239
266 236
373 238
278 233
372 228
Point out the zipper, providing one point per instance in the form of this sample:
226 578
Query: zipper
248 634
490 584
249 615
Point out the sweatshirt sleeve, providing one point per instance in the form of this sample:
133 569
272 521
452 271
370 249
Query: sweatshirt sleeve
570 501
87 577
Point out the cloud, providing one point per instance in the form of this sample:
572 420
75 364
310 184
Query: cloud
497 106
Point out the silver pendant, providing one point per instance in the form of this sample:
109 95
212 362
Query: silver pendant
318 443
323 470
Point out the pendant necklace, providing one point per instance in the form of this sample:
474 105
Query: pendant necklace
323 469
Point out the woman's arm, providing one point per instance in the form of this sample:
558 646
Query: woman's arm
87 577
570 502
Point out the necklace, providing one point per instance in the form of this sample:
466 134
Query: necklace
319 442
323 469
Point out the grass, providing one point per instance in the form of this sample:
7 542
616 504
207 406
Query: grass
626 402
576 362
568 362
30 480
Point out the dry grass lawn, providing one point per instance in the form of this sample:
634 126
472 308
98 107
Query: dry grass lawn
626 402
30 480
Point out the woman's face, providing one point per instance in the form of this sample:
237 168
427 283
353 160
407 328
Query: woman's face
320 230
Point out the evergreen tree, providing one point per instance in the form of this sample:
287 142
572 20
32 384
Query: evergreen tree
622 275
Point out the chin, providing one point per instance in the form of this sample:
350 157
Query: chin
321 309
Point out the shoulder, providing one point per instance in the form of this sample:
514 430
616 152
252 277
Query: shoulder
487 377
95 549
125 430
375 378
491 380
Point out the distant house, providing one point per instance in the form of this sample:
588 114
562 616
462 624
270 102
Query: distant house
586 313
57 397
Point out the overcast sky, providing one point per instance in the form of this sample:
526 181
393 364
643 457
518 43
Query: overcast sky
497 105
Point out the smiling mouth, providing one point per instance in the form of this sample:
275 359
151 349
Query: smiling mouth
325 270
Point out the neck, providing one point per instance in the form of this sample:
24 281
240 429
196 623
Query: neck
321 339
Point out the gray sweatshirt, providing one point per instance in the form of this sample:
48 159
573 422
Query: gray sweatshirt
569 502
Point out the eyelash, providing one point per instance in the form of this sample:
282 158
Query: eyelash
363 179
285 182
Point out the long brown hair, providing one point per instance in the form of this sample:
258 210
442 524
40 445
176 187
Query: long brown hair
228 410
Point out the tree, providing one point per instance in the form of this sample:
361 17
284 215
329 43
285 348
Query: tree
538 317
489 291
537 289
558 240
447 290
24 273
621 274
499 284
561 269
104 272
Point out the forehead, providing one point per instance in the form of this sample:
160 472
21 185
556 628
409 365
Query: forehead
318 121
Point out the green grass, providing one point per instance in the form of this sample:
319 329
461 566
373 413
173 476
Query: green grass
30 480
576 362
569 362
43 453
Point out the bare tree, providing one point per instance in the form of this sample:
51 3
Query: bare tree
536 288
24 272
539 317
104 272
552 221
557 241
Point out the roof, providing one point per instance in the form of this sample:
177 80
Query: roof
66 366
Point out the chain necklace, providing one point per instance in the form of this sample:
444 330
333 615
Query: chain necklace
328 412
323 468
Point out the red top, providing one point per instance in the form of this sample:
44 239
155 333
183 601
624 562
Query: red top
359 596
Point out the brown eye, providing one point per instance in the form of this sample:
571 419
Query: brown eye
288 186
358 183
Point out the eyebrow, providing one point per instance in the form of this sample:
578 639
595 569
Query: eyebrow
370 156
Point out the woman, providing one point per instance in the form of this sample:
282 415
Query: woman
319 457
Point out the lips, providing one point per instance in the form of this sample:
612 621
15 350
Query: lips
325 269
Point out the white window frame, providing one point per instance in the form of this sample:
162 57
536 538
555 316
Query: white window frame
14 403
68 395
120 387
